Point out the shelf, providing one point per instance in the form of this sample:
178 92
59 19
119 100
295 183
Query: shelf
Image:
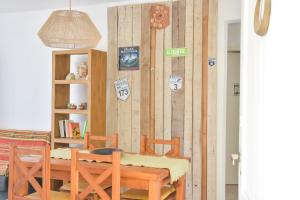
69 141
73 52
69 111
67 82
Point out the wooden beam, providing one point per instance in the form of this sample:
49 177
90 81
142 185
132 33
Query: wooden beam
197 87
145 70
178 68
136 81
152 81
204 98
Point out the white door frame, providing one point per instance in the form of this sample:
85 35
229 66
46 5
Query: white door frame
221 107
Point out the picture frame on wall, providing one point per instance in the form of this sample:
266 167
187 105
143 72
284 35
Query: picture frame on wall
129 58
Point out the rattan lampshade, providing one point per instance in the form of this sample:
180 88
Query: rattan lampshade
69 29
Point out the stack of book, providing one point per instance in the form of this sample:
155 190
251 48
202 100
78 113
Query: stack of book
71 129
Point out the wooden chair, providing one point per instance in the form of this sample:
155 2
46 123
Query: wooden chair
89 139
20 175
94 183
147 147
111 140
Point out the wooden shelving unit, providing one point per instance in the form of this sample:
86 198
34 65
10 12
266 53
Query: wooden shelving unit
96 93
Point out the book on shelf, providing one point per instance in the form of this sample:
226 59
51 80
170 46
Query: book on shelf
84 129
68 135
74 129
69 129
62 128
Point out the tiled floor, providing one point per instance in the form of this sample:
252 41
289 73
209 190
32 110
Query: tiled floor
231 192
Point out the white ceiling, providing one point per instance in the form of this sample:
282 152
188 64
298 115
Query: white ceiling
27 5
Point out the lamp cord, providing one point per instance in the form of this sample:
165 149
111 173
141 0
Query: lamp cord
70 5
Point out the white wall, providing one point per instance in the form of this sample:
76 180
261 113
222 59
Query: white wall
229 12
270 105
25 68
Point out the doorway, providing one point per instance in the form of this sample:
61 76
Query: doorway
232 112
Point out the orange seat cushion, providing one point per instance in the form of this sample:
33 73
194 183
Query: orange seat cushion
143 194
53 194
82 186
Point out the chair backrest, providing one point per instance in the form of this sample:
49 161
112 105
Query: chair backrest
146 146
21 173
94 181
89 139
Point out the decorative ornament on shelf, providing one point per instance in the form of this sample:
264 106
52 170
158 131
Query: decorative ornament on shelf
82 70
69 29
262 20
82 106
71 76
71 106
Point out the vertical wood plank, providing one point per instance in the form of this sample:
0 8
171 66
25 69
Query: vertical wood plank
112 72
188 107
136 82
212 105
145 70
124 107
159 85
178 69
204 98
197 87
152 81
167 91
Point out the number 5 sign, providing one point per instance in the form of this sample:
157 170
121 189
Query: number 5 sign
122 89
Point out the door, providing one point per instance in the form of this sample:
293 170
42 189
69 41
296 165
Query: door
232 117
232 125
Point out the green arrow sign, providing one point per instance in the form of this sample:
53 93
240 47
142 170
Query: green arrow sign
176 52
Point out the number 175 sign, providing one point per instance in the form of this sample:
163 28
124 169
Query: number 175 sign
122 89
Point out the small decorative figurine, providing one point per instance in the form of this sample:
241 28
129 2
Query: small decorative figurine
71 76
71 106
82 106
77 77
82 70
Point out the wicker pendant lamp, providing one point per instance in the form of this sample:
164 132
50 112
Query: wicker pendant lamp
69 29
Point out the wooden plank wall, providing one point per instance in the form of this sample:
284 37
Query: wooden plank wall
175 113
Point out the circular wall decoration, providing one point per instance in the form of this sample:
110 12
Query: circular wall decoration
159 16
262 20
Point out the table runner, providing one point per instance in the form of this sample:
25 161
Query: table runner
177 167
20 138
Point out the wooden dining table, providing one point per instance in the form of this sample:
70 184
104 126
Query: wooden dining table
145 178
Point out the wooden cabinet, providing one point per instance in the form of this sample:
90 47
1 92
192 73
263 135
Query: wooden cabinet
96 93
